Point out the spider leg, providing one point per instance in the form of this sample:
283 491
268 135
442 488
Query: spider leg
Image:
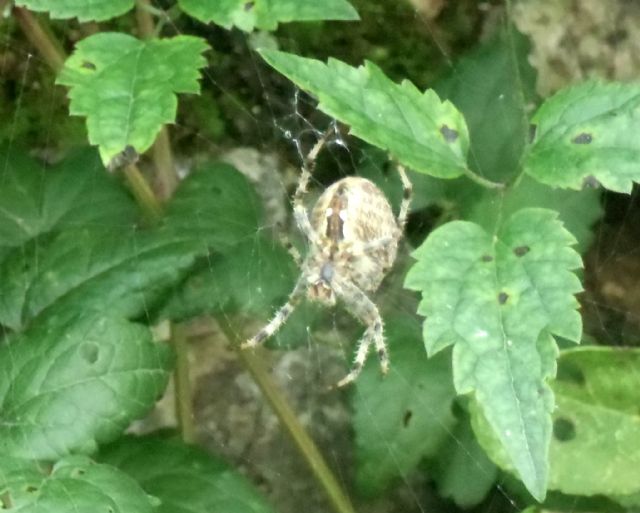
291 249
407 193
281 315
364 309
299 210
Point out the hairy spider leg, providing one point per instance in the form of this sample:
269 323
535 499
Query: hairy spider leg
299 210
367 312
407 194
281 315
291 249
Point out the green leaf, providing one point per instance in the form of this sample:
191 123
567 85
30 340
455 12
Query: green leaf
183 477
127 88
419 130
496 298
462 470
266 14
405 417
596 424
596 443
578 210
116 268
587 134
36 198
75 381
120 271
492 86
216 205
74 483
94 10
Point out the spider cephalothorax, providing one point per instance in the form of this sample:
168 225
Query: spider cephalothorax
353 239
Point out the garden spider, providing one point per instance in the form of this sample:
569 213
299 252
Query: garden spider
353 239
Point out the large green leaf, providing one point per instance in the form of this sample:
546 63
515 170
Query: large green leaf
84 10
587 134
496 297
418 129
492 86
89 262
596 424
75 381
36 198
266 14
126 88
462 470
121 271
184 478
74 483
405 417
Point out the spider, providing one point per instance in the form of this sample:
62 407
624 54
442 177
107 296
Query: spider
353 238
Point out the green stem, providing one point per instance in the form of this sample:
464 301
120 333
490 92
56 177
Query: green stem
39 36
483 181
182 382
289 421
143 193
162 154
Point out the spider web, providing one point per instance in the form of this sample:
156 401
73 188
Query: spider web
317 350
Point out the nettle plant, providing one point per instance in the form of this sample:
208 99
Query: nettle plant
81 283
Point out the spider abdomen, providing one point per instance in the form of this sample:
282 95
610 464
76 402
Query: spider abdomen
357 230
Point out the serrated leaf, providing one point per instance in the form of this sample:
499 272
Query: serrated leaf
496 298
266 14
595 447
586 134
183 477
94 10
73 482
404 418
75 381
126 88
36 198
419 130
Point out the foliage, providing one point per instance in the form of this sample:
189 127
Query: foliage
84 277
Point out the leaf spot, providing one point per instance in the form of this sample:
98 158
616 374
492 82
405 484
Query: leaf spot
449 134
248 6
407 417
31 488
590 182
90 352
533 128
564 430
583 138
88 65
487 258
521 250
502 298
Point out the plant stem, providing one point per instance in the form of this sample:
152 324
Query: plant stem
143 193
483 181
182 382
39 37
162 154
289 421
